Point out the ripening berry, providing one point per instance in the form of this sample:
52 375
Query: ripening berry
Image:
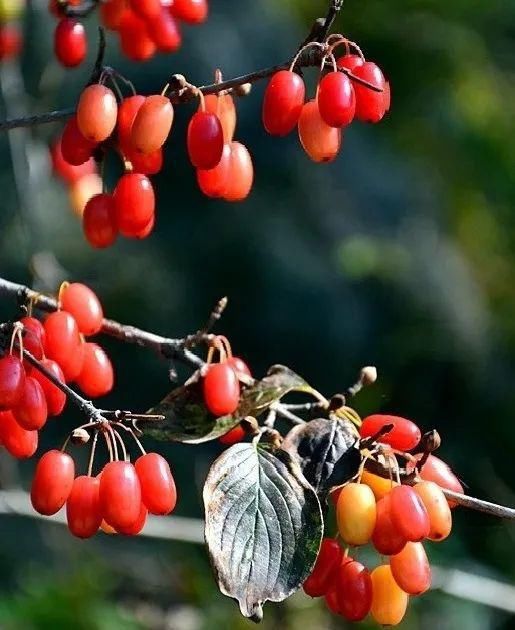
134 203
96 377
233 436
332 601
205 140
221 389
152 124
55 398
215 181
52 482
389 601
326 565
386 537
33 336
17 441
99 221
158 491
438 471
11 41
164 32
356 513
370 105
96 113
137 526
411 570
336 99
135 40
81 302
239 366
354 589
145 230
70 43
349 62
144 163
404 435
111 13
31 410
438 510
408 513
120 494
62 340
70 173
75 148
222 105
191 11
379 485
127 111
12 381
147 9
320 141
83 509
282 103
241 173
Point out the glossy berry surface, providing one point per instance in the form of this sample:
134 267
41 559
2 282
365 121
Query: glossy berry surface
437 507
356 513
241 173
70 42
75 148
214 182
120 494
222 105
34 337
320 141
96 377
438 471
31 411
70 173
152 124
327 563
191 11
336 99
233 436
389 601
99 221
17 441
386 537
409 514
282 103
410 569
12 381
81 302
370 105
134 203
205 140
137 526
96 112
83 509
354 589
52 482
63 341
221 389
404 435
158 491
55 398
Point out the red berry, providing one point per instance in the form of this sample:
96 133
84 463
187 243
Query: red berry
158 491
63 342
96 377
336 99
137 526
370 105
70 43
215 181
81 302
408 513
438 510
327 563
11 41
111 13
223 106
127 111
411 570
144 231
349 62
191 11
320 141
404 435
386 538
144 163
283 101
31 412
83 511
18 441
152 124
96 112
332 601
135 40
241 173
134 203
205 140
75 148
354 590
233 436
52 482
165 33
120 494
147 9
33 336
438 471
99 221
12 381
69 172
55 398
221 389
239 366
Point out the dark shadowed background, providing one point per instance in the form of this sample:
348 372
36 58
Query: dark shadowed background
400 254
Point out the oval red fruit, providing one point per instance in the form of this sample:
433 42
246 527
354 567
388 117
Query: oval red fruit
221 389
409 514
52 482
327 563
96 377
320 141
205 140
83 510
120 494
386 537
241 173
31 411
214 182
19 442
354 589
158 491
404 435
282 103
152 124
70 42
370 104
55 398
99 221
336 99
97 112
12 381
411 570
81 302
134 203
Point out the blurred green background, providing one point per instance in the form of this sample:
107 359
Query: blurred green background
400 254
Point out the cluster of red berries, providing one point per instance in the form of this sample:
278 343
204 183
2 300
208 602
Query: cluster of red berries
27 396
117 500
395 518
11 40
221 387
138 128
145 27
339 100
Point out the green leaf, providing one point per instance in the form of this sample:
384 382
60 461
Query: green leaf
326 450
187 418
279 381
264 525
